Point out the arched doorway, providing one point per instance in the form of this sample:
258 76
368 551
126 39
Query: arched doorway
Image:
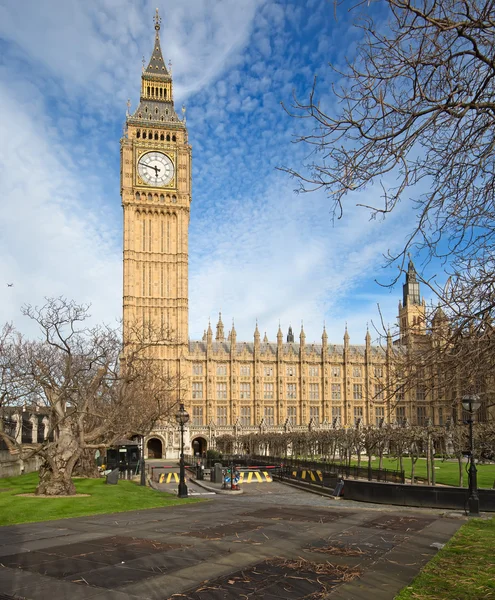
155 448
199 446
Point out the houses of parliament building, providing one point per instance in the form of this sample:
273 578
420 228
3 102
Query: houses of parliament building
233 386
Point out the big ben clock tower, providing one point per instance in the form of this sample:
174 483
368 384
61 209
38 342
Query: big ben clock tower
156 196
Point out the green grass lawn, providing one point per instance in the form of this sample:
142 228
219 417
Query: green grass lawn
126 495
463 570
447 472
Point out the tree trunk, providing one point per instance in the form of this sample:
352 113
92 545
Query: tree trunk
461 471
59 458
86 465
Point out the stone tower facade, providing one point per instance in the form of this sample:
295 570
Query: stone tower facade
156 198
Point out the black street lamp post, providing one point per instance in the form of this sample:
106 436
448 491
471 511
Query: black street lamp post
142 466
471 404
182 417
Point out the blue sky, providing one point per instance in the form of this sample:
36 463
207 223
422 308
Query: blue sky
257 249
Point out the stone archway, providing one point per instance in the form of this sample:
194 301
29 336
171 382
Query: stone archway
199 445
155 448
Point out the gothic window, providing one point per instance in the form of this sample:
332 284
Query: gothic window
245 416
222 391
378 391
313 371
245 391
168 137
150 197
379 415
146 109
336 412
174 139
222 370
164 93
358 391
292 415
335 391
162 137
268 371
356 371
197 419
148 90
420 393
140 115
400 415
314 391
399 393
150 134
314 414
144 135
245 370
138 133
421 415
162 199
156 111
174 198
290 371
221 415
291 391
161 93
268 391
138 196
197 390
440 417
358 414
197 369
378 371
269 411
156 136
335 371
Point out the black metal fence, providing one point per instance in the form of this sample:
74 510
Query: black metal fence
287 465
335 469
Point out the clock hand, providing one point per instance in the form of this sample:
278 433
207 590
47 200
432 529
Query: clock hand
157 170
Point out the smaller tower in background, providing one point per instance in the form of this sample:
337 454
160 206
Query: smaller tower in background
412 310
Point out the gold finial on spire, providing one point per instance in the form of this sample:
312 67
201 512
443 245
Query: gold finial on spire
157 20
128 106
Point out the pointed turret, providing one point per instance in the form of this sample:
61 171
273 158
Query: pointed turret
324 336
233 339
204 336
302 336
156 103
368 338
410 290
256 333
265 339
290 335
346 337
209 334
280 336
220 337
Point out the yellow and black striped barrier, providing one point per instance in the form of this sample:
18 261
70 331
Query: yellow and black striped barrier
167 477
255 477
308 475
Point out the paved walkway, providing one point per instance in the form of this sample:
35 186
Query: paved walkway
279 543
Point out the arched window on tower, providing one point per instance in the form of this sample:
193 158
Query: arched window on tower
165 93
144 135
156 136
148 90
138 133
168 137
174 139
161 93
162 137
138 196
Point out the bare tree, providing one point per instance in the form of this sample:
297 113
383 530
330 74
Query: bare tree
96 391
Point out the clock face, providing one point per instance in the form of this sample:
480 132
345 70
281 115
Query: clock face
155 168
